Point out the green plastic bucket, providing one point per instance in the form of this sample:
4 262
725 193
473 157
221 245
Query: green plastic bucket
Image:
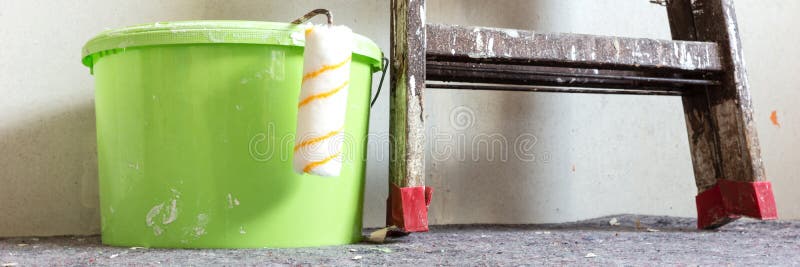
195 133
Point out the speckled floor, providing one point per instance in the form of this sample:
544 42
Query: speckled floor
651 241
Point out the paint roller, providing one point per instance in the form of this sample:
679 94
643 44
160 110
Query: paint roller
322 103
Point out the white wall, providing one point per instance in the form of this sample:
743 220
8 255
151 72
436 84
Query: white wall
48 163
596 154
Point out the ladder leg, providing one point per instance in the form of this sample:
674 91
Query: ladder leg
725 151
407 206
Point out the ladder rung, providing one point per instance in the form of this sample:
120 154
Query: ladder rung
493 45
557 76
552 89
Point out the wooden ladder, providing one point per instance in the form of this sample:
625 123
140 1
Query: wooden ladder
703 64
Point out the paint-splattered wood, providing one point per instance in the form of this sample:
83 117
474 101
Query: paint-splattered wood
703 144
479 44
721 129
406 156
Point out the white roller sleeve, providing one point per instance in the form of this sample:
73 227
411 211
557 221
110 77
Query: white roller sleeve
323 100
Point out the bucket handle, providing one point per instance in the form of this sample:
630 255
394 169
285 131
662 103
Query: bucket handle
384 66
327 13
309 15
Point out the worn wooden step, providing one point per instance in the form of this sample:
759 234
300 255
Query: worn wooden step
451 43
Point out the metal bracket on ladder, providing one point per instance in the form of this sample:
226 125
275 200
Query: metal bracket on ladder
703 65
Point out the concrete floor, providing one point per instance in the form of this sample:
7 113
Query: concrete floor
651 241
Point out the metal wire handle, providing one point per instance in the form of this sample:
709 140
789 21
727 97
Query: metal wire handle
313 13
660 2
385 64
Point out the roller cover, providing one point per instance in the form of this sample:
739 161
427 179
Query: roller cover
323 100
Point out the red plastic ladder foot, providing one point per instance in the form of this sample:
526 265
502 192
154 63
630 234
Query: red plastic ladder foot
408 207
728 200
711 211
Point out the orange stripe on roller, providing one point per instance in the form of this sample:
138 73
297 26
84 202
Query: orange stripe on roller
325 68
315 164
316 139
322 95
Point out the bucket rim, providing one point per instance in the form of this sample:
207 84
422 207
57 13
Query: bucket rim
213 32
